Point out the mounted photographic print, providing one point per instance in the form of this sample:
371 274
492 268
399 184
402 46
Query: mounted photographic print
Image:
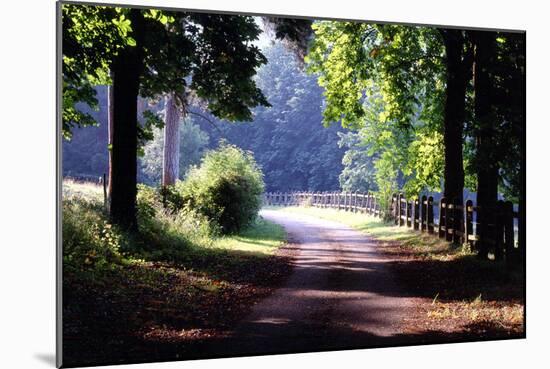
248 184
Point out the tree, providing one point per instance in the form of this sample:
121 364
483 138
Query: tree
171 157
165 51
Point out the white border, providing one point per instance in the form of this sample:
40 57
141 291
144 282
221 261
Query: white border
27 208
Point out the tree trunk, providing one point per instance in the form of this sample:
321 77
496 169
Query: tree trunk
127 69
171 153
110 105
486 162
454 113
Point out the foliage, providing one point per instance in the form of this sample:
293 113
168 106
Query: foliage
85 66
425 161
89 241
226 188
385 82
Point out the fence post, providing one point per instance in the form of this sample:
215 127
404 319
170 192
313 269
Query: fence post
449 222
424 213
408 215
514 254
400 209
457 223
372 204
499 231
393 209
397 209
469 223
508 215
431 215
345 200
416 214
442 216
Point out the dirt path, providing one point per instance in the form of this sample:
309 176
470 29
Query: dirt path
339 295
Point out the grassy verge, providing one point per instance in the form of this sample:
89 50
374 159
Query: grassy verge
457 293
263 238
150 296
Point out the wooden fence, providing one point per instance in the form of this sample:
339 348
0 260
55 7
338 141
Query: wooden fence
348 201
456 222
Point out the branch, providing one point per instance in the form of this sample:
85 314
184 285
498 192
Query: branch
207 119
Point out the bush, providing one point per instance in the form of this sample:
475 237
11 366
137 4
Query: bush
226 188
88 238
168 232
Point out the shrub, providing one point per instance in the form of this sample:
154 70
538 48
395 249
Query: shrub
88 238
166 233
226 188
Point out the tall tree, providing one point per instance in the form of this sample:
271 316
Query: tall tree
171 149
486 161
127 67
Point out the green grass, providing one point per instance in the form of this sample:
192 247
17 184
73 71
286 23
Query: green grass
422 244
261 238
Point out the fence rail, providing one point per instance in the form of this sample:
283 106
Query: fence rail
456 222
